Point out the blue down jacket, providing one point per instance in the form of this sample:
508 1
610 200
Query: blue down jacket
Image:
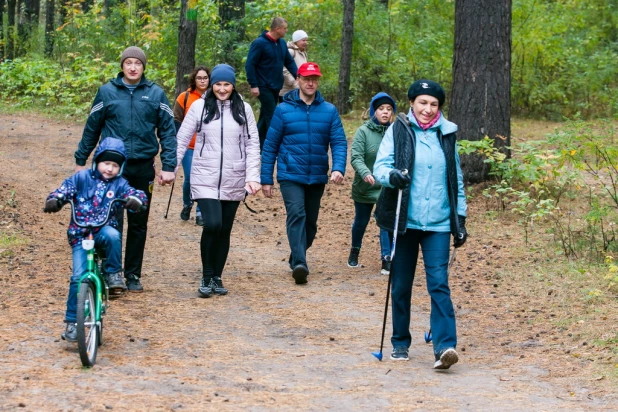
298 139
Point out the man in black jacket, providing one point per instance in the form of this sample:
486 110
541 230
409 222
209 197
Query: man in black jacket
136 111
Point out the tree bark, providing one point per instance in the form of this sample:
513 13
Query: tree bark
345 64
481 93
187 34
50 27
10 32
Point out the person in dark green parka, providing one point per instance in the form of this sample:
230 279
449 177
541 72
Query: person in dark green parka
365 189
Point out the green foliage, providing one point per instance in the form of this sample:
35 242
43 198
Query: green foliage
569 180
563 55
40 82
563 52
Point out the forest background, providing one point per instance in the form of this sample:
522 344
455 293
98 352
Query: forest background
560 185
563 52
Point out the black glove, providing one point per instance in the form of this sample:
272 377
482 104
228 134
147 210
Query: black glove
399 179
133 204
461 237
52 206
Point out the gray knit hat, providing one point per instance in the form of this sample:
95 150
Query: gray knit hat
134 52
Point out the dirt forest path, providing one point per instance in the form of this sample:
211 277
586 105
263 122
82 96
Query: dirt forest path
268 344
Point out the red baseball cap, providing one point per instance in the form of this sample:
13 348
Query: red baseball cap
309 69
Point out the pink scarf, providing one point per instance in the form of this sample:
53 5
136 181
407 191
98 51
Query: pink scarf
431 123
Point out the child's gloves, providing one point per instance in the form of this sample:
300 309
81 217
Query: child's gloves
52 206
133 204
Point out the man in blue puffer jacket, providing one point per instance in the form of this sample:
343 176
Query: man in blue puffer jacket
302 129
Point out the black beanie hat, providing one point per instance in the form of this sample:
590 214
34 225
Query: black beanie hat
382 100
110 156
427 87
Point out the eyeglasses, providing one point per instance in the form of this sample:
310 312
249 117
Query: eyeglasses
202 79
313 79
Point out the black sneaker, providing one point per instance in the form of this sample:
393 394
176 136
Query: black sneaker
185 213
217 286
300 274
446 358
205 289
399 354
199 221
70 334
115 282
386 265
133 284
353 258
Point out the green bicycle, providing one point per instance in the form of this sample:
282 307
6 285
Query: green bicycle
93 293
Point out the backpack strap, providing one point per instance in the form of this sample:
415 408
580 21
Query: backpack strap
184 106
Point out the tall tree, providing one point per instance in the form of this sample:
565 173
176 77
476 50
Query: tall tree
50 27
10 32
481 96
231 13
345 64
187 34
2 30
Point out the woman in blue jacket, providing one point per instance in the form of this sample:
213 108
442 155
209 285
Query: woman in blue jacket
433 207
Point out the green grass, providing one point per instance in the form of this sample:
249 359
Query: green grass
10 241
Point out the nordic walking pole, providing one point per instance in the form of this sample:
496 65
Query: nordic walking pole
378 355
169 201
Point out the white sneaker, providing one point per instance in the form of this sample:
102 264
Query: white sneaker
448 357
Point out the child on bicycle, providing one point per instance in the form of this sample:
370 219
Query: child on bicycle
91 192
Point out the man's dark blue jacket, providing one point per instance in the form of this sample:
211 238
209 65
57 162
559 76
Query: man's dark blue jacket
136 118
265 62
298 139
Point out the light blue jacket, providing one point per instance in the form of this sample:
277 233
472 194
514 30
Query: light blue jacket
429 205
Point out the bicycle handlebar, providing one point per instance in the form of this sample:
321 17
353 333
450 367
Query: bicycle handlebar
92 225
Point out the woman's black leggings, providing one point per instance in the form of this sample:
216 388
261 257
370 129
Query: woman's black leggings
215 243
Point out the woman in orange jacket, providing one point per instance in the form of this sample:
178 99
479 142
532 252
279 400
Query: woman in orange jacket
199 80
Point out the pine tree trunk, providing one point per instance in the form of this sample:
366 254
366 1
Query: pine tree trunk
187 34
345 65
50 13
481 94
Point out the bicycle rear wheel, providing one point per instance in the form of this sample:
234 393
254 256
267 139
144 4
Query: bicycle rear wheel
87 329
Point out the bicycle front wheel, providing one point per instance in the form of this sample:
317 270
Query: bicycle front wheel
87 328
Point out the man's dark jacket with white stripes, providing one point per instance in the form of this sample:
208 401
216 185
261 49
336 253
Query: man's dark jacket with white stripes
136 118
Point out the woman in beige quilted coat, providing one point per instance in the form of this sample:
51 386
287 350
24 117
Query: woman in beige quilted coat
225 167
